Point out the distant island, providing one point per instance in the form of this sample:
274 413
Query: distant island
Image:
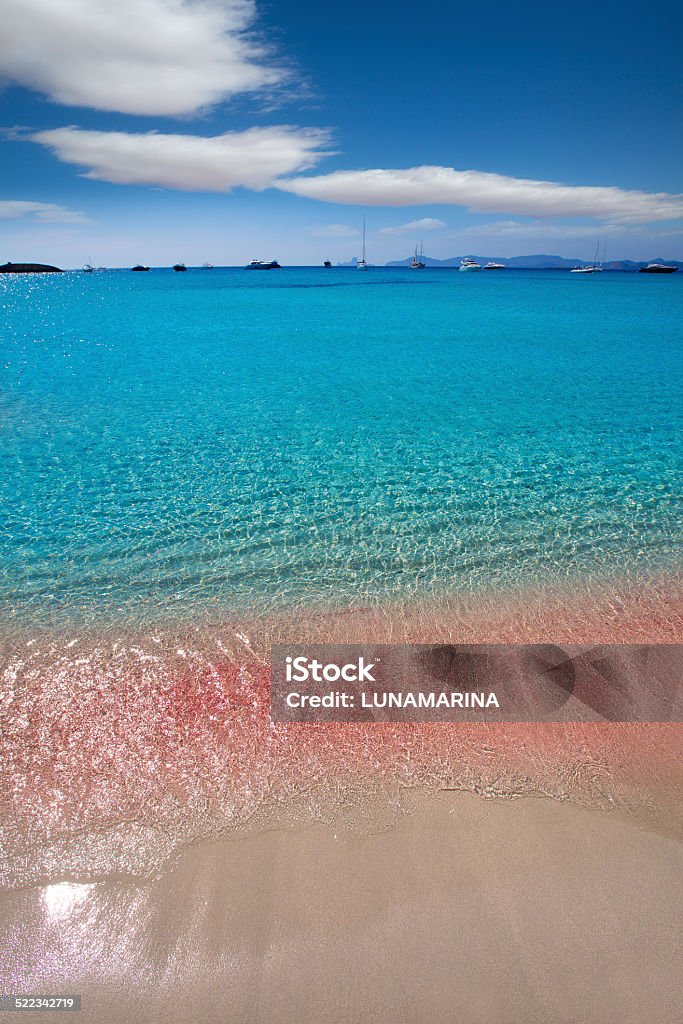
29 268
536 262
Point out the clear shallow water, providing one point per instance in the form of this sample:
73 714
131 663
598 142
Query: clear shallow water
182 446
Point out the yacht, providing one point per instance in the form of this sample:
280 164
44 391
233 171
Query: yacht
415 263
207 266
494 266
88 268
362 263
327 264
179 267
139 266
261 265
469 264
657 268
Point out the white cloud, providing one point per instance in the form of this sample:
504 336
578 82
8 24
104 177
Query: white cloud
546 229
335 231
543 229
423 224
517 227
47 213
484 192
253 158
159 57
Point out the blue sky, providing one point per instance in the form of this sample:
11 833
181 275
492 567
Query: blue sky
220 130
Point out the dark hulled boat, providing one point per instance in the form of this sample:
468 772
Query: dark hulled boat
657 268
139 267
179 267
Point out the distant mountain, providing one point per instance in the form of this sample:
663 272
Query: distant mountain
540 262
429 261
544 262
535 262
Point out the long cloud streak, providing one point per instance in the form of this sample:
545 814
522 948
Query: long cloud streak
263 157
486 193
253 158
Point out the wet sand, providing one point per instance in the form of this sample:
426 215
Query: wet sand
470 910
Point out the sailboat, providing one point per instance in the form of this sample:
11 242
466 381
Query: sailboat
362 263
593 268
597 263
415 263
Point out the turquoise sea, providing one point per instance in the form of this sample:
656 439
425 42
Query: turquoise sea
182 446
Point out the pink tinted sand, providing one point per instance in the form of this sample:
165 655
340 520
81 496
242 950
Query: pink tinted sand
171 730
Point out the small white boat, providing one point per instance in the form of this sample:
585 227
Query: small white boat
362 262
88 268
469 264
207 266
494 266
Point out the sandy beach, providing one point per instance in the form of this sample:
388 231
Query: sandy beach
172 856
469 910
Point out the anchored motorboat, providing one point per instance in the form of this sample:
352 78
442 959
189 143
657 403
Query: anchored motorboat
657 268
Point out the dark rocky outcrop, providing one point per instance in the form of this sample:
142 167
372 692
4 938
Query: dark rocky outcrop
29 268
